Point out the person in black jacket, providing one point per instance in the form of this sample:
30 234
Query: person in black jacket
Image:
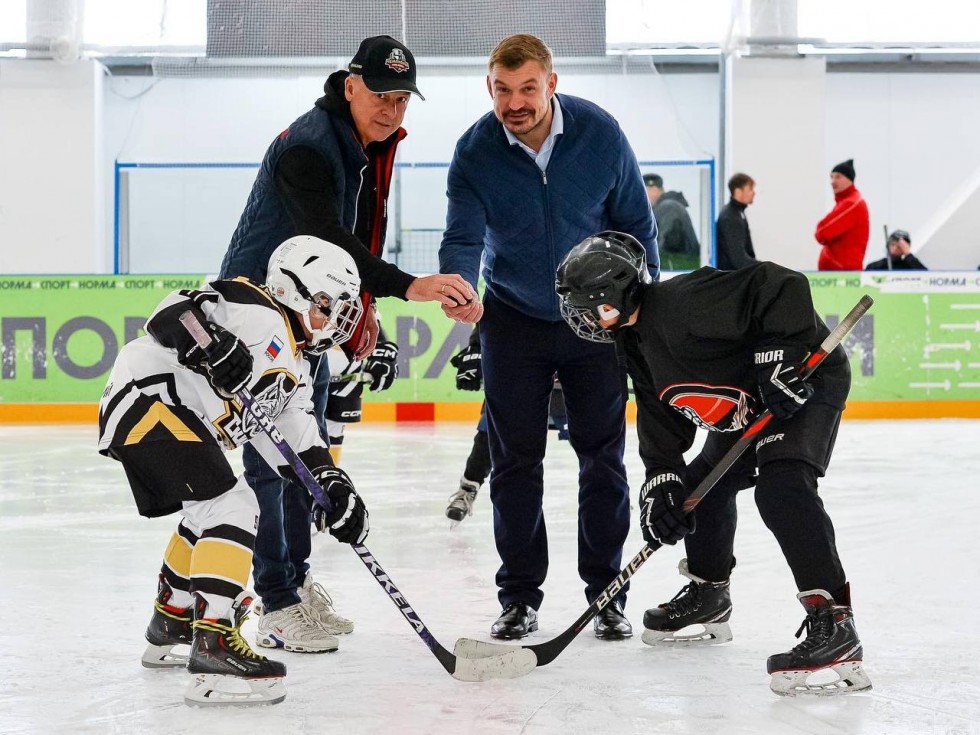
711 349
900 255
732 230
328 175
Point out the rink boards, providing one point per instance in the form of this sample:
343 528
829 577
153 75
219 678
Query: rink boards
917 354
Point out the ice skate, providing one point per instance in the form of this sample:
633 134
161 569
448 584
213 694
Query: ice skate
829 661
461 502
295 628
169 627
707 605
318 600
225 668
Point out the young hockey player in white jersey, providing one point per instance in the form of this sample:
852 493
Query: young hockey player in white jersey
708 349
168 414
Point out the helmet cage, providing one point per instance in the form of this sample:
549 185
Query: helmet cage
600 279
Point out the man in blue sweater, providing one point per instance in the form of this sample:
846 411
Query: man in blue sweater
526 184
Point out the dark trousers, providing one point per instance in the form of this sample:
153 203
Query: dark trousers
521 356
791 456
282 539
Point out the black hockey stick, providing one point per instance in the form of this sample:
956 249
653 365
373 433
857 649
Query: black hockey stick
548 651
508 664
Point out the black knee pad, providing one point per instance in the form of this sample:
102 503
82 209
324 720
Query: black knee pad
782 482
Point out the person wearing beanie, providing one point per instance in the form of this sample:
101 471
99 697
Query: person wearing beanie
843 233
900 256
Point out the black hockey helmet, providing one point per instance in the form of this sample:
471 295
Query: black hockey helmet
601 278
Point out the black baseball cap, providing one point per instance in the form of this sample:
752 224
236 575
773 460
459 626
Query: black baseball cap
385 65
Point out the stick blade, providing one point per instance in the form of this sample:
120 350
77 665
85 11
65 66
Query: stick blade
509 664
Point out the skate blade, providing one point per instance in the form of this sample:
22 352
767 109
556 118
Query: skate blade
211 690
163 657
509 664
712 634
851 678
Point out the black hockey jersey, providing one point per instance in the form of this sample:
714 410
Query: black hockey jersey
690 353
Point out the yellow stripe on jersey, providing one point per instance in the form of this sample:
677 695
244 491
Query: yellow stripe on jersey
178 555
160 413
215 557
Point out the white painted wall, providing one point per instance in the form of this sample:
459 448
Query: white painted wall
51 159
913 138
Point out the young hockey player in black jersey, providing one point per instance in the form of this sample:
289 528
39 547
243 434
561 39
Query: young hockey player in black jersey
709 349
168 414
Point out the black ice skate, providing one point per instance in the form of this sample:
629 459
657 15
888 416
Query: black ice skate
169 627
226 670
702 603
831 645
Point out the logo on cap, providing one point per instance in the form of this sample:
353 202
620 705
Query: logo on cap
396 61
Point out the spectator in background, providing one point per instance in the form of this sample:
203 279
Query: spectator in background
679 248
899 253
733 237
526 183
843 233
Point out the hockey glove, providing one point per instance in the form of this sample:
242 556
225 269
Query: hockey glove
227 364
781 378
382 366
348 520
469 368
662 518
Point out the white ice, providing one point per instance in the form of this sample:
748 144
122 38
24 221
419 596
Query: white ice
78 574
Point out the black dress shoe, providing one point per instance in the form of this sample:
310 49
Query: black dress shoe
516 621
611 623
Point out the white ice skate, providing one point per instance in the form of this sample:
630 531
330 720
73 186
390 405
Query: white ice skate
461 502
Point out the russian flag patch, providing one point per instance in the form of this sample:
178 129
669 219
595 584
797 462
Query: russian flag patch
272 351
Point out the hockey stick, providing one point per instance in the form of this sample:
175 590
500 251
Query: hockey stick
548 651
510 664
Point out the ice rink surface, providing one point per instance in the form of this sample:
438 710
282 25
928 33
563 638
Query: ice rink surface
78 575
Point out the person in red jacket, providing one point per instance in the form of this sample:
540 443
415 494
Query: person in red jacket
843 233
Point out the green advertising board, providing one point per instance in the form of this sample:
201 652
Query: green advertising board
60 335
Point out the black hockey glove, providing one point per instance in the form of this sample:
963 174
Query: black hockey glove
781 378
348 520
469 368
662 518
228 363
382 367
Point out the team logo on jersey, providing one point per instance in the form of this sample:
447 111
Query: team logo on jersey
274 348
712 407
396 61
271 391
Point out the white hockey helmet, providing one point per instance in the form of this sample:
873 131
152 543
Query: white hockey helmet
306 272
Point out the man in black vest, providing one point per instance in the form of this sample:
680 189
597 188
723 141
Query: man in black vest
328 175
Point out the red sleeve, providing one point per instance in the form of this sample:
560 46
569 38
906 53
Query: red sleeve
841 219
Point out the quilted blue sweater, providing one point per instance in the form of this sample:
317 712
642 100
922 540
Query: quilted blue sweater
524 221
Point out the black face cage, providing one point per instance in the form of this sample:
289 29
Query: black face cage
584 322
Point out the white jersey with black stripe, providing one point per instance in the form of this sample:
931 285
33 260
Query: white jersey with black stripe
280 380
